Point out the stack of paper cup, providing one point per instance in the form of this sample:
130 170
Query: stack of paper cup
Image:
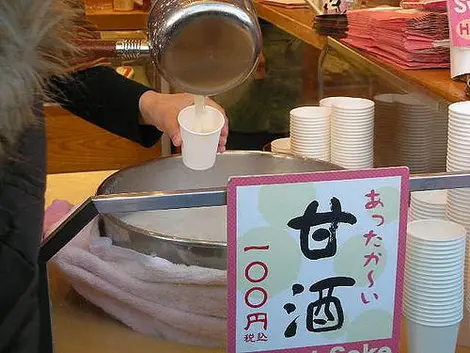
352 133
458 145
384 128
281 145
428 204
433 287
414 138
439 141
458 159
310 132
458 211
459 61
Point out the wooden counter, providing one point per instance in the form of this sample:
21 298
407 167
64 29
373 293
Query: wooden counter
298 22
81 327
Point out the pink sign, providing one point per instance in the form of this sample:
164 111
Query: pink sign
316 261
459 22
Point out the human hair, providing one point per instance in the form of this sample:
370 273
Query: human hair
36 41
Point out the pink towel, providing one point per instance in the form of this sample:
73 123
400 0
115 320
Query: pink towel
186 304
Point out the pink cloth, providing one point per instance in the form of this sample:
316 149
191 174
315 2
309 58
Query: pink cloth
55 212
186 304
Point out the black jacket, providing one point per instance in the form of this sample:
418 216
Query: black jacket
99 95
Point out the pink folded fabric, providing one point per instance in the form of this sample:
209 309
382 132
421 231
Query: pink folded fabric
185 304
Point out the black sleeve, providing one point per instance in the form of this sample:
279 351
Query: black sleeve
105 98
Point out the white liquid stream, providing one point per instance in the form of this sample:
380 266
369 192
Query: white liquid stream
200 104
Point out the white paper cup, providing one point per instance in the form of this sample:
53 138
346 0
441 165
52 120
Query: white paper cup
433 197
460 108
282 144
423 272
309 112
432 319
436 230
353 105
200 139
447 313
329 101
459 61
428 339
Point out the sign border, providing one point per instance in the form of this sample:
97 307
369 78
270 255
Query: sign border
270 179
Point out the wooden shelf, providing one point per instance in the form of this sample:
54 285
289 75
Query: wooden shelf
298 22
110 20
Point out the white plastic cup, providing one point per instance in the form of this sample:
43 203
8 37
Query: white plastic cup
200 136
428 339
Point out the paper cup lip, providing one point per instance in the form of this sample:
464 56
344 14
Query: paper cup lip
430 296
423 269
385 98
436 230
309 128
455 277
414 279
426 255
435 256
409 99
429 300
449 292
448 254
281 143
441 243
449 323
182 124
421 313
429 318
364 150
426 309
352 104
442 266
341 134
328 101
430 262
310 112
433 197
460 108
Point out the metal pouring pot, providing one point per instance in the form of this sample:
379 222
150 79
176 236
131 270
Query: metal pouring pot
204 47
201 47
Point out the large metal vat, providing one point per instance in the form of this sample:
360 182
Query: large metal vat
165 174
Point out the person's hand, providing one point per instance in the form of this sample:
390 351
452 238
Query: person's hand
161 110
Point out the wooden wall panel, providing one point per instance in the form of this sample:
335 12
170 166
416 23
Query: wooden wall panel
75 145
